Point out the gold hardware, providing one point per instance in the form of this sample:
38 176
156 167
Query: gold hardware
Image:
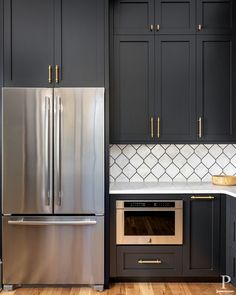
50 74
199 28
157 261
152 131
200 127
57 74
202 197
158 127
157 28
151 27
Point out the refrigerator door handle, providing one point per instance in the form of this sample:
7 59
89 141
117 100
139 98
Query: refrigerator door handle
48 150
57 222
58 108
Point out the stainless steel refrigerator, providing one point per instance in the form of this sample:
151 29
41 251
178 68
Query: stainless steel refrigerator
53 186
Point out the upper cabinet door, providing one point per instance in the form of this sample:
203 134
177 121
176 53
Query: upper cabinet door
28 42
133 16
215 16
175 88
79 43
175 16
216 88
132 98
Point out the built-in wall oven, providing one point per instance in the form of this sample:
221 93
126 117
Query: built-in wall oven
149 222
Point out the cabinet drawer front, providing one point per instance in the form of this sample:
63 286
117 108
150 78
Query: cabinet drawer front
148 261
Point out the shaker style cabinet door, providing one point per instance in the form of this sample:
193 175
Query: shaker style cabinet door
133 16
175 17
79 43
201 252
175 88
216 120
28 42
215 16
132 98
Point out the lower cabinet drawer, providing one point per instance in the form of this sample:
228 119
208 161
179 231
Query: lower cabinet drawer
151 261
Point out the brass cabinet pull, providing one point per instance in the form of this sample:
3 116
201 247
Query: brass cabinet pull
200 127
151 27
202 198
49 74
152 128
158 127
57 74
156 261
199 28
158 28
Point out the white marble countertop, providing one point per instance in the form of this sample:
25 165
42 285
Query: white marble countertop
167 188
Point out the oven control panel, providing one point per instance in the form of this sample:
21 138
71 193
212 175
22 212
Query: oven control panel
156 204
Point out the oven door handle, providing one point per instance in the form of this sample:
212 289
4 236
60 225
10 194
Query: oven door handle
156 261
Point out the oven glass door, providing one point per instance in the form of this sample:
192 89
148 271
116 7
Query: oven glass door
149 223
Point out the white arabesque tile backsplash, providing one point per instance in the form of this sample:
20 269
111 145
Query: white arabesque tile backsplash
171 162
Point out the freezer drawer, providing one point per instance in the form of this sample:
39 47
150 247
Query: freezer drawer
53 250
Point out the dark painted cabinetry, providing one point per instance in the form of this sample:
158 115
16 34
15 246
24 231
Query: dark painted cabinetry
200 256
231 238
216 96
193 97
67 35
201 252
150 102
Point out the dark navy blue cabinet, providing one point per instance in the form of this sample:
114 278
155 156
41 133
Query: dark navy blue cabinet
49 42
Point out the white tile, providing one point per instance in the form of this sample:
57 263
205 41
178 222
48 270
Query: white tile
215 170
158 171
172 151
207 178
158 151
165 178
143 170
229 170
122 178
151 178
122 146
208 160
115 171
143 151
179 161
222 161
136 161
187 151
186 170
136 178
115 151
111 161
233 161
165 160
194 161
129 151
180 178
230 151
150 160
201 151
194 178
111 179
129 171
201 170
122 161
215 151
172 171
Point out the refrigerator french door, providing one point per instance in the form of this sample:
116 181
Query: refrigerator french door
53 185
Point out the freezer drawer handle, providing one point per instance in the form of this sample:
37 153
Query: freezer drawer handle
36 222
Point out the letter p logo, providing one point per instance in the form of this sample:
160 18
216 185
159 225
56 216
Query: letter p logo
225 280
